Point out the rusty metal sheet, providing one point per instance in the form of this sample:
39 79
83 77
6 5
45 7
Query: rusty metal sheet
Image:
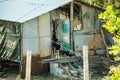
36 67
98 41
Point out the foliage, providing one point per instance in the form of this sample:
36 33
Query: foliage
111 23
114 50
2 73
105 3
115 73
18 77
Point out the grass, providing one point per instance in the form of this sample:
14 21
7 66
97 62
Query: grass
2 73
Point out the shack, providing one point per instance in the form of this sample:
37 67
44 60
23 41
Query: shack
48 26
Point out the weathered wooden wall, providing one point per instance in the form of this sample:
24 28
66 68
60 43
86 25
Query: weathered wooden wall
90 23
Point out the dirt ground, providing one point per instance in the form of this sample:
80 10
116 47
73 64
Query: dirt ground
12 73
44 76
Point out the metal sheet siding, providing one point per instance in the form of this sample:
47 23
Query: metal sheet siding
30 36
80 40
45 35
24 10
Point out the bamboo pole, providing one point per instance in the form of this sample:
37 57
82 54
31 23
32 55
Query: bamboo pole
85 63
71 19
28 66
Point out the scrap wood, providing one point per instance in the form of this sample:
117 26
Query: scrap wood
60 60
75 69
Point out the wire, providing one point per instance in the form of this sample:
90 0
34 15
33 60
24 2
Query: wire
60 34
71 51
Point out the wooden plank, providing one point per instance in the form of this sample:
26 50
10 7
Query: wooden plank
103 36
71 19
85 62
80 4
28 66
61 60
102 33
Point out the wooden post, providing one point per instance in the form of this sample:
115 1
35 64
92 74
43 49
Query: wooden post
71 19
104 43
85 63
28 66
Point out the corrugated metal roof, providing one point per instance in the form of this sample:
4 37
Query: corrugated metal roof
23 10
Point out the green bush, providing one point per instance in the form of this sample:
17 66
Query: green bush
112 24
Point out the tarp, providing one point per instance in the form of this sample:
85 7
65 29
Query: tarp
9 41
